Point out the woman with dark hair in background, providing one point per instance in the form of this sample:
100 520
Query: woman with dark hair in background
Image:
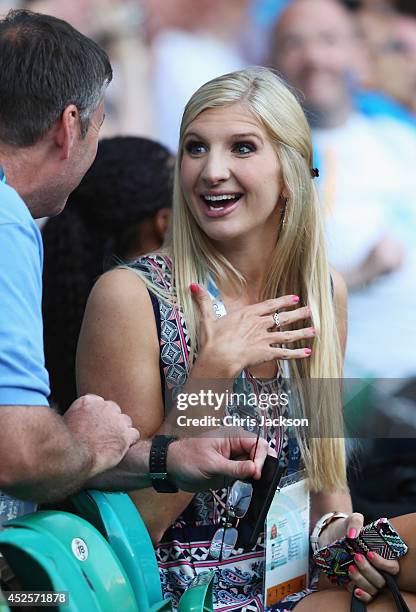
120 210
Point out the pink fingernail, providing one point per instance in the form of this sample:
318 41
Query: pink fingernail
307 352
352 569
352 533
312 330
370 555
194 288
359 558
295 299
359 592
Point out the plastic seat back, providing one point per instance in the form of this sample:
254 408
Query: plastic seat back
199 597
116 517
3 605
79 550
34 560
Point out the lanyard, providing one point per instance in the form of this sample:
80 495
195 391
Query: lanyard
220 311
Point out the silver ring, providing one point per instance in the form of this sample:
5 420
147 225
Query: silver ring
276 319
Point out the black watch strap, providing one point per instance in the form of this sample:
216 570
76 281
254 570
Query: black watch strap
157 464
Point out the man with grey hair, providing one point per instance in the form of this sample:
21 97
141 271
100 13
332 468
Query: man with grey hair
52 83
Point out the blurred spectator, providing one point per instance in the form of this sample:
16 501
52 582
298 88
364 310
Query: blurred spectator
391 42
121 209
368 186
406 33
117 25
192 42
162 51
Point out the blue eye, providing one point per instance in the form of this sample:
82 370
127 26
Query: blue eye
243 148
195 148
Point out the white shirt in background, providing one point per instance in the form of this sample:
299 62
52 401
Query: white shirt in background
368 190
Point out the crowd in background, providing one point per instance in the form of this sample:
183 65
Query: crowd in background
353 65
354 68
162 50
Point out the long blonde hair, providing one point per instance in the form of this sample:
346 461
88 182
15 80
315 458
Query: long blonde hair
298 266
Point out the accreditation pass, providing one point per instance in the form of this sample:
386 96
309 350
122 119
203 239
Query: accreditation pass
287 540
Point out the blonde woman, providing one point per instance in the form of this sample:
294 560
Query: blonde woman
246 225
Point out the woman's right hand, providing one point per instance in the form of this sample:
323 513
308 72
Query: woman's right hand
246 337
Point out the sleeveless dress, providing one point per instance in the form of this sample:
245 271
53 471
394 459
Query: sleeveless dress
184 549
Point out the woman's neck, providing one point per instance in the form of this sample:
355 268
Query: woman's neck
253 263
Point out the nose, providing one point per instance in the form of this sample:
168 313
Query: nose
216 168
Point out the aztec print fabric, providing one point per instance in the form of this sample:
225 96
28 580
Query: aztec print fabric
184 549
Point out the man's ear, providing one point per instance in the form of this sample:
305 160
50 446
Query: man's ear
161 222
67 131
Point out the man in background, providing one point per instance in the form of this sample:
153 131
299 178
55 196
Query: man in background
368 194
367 184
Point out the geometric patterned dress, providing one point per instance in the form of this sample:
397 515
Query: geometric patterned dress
183 551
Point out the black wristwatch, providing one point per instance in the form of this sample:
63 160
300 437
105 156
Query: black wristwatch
157 464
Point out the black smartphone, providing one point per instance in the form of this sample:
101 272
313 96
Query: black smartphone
252 524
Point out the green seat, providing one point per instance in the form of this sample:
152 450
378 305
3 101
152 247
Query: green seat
117 518
59 551
3 605
33 561
162 606
198 598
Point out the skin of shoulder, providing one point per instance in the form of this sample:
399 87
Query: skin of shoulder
118 358
118 349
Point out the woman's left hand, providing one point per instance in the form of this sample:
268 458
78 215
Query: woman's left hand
365 580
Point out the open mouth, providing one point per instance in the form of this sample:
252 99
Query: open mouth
219 202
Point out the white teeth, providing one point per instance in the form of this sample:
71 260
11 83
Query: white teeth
217 198
216 207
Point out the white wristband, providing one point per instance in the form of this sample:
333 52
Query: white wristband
320 526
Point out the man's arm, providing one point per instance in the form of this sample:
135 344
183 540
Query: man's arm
44 457
384 258
131 474
209 461
40 458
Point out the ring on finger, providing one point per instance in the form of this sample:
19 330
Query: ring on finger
276 319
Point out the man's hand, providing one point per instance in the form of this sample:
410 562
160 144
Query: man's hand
105 432
207 462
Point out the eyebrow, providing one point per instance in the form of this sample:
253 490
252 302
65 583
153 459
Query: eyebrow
239 135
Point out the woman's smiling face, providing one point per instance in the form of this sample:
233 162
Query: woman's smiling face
230 175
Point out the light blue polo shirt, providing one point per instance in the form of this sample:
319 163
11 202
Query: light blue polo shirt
24 379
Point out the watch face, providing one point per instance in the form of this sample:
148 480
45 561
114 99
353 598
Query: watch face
164 486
